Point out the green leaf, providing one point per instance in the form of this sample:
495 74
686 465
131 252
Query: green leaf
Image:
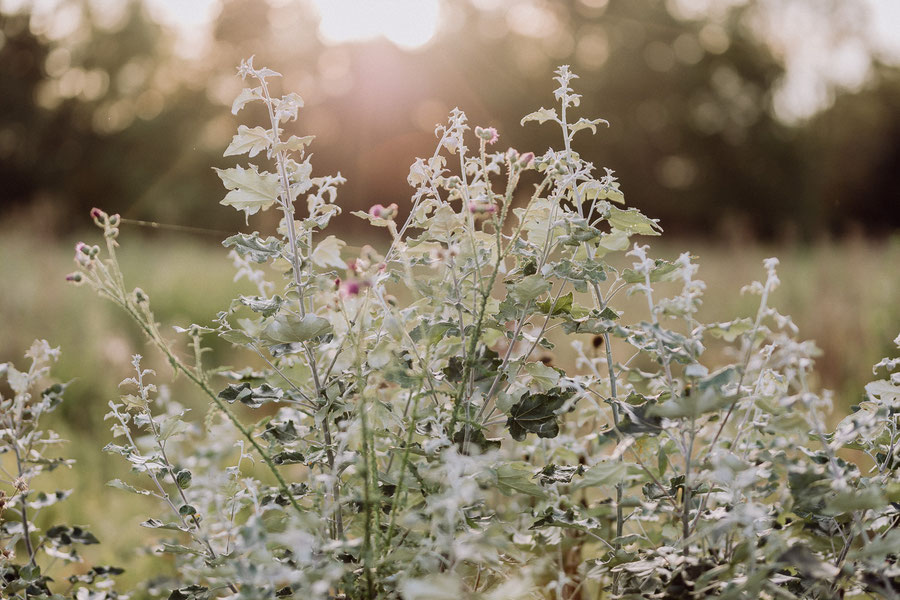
529 288
708 397
536 413
517 478
191 592
248 141
730 330
289 328
121 485
288 457
555 517
546 377
251 246
252 397
171 426
179 549
250 190
281 432
558 473
236 336
183 478
562 305
633 221
474 437
542 115
157 524
595 190
43 499
603 473
63 535
659 272
848 501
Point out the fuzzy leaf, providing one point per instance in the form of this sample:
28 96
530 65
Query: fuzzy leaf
583 123
633 221
253 247
529 288
288 328
328 253
251 191
603 473
248 141
264 306
121 485
295 143
542 115
729 331
517 478
246 95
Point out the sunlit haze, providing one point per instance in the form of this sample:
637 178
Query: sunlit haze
407 23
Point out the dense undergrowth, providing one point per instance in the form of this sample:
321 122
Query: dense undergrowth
417 438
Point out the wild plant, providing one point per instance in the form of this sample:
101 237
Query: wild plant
416 444
29 553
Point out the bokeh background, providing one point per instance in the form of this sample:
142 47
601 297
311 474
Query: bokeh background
751 128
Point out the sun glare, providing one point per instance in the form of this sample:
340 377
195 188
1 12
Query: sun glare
408 24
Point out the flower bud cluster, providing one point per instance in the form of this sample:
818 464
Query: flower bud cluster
488 134
85 255
360 272
519 161
109 223
482 208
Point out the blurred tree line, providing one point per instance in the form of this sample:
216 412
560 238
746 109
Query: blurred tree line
103 111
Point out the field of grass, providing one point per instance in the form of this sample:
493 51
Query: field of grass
844 296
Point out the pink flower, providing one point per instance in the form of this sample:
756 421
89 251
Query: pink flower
376 211
350 288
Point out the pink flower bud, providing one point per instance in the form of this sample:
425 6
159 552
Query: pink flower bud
74 277
526 160
383 212
82 254
96 213
488 134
